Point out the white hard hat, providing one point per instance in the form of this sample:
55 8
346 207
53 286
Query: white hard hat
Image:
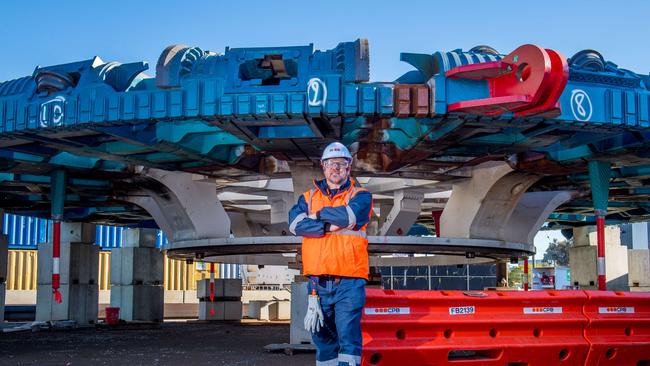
336 150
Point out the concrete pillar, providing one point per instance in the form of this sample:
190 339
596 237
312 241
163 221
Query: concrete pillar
79 268
530 213
583 263
4 252
137 276
467 197
227 304
187 208
498 206
494 204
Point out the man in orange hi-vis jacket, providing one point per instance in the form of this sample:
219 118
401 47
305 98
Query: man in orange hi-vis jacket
332 218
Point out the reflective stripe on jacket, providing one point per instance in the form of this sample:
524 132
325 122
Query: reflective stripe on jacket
340 253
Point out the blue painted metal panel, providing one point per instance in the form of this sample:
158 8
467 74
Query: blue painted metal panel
445 61
161 239
25 232
232 85
230 271
605 98
108 237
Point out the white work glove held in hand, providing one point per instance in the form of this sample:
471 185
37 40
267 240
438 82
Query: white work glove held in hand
314 318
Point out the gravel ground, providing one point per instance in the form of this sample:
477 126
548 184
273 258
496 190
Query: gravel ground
177 343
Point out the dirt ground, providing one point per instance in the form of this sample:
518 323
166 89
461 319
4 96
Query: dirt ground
174 343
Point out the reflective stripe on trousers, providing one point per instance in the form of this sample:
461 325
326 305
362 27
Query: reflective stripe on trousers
349 360
332 362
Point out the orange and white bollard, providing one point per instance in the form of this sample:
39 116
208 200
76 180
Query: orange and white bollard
56 261
600 234
525 277
211 288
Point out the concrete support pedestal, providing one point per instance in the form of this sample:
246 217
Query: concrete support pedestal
297 332
137 277
79 268
403 214
583 259
227 304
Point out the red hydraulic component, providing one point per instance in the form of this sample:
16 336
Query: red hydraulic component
536 328
600 233
528 81
56 260
211 288
618 329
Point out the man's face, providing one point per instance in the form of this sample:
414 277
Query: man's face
336 170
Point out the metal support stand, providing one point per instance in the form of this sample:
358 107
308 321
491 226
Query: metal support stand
599 175
4 252
58 198
525 279
600 232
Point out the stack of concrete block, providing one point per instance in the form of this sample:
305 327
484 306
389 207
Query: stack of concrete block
639 265
137 277
4 252
227 304
269 309
254 309
79 269
584 264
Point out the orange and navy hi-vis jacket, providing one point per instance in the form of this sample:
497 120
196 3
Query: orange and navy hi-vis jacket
343 252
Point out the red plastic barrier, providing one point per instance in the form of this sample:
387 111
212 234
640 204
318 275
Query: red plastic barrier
426 328
618 328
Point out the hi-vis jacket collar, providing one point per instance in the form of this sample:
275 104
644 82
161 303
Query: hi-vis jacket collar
322 186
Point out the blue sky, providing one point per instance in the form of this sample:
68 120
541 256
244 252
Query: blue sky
48 33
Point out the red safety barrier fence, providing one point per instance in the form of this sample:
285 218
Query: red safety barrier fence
426 328
618 329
